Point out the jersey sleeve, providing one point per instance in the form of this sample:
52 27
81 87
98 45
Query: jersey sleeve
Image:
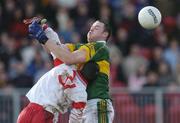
86 48
71 47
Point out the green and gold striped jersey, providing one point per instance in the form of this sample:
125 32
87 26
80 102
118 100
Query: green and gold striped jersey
98 52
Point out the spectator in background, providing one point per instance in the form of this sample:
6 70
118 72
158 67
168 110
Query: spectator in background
3 76
17 27
62 17
4 56
177 31
117 75
67 3
68 32
166 9
49 11
66 25
47 66
137 80
22 79
105 13
36 64
10 50
133 61
152 80
28 51
121 40
117 10
129 11
81 16
165 74
128 22
177 73
157 57
29 9
172 54
76 38
8 13
161 37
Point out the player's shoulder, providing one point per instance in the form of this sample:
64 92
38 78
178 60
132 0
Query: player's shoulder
94 46
73 46
97 44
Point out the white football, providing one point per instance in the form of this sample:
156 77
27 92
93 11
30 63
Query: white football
149 17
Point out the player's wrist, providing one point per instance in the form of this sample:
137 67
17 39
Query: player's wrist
36 31
42 38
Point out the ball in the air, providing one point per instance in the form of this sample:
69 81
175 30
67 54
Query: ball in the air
149 17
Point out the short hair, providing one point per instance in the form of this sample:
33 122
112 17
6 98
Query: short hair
107 28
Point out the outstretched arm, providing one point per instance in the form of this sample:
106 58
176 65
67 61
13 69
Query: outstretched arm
52 35
59 50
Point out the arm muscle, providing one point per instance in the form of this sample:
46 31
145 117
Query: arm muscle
61 52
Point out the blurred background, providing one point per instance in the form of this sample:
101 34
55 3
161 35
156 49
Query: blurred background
145 64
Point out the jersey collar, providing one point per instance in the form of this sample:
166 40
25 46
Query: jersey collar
101 41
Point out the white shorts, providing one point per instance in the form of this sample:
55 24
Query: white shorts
98 110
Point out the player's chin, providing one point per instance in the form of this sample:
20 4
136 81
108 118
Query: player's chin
89 40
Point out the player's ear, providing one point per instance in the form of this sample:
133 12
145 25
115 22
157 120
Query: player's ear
105 34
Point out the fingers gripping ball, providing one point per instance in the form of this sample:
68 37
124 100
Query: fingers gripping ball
36 31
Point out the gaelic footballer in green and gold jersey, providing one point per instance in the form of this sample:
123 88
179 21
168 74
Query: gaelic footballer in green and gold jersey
96 52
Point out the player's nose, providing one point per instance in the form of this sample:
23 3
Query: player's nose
91 30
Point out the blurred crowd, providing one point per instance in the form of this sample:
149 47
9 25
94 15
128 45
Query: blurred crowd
139 58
